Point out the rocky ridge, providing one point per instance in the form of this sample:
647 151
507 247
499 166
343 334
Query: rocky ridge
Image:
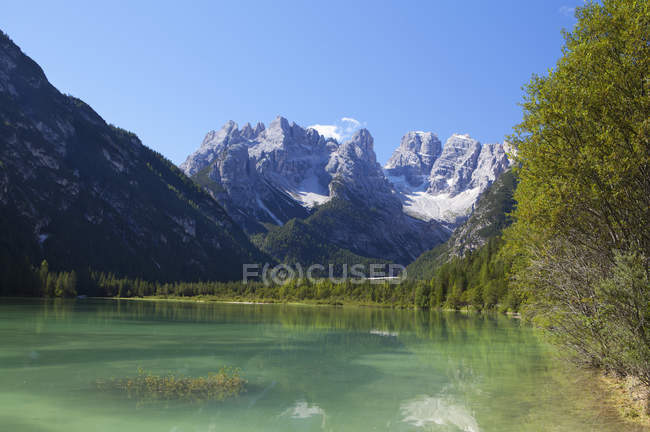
83 194
446 187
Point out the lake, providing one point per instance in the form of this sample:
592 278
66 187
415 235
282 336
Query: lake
308 368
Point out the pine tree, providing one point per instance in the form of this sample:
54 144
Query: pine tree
59 288
71 285
42 276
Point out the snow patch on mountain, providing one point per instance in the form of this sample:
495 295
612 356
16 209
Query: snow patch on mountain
444 187
442 207
310 192
421 204
269 212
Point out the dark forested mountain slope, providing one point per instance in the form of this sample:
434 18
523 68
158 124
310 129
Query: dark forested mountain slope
351 229
82 193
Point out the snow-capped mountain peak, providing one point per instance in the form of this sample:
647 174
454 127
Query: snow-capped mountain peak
446 187
427 180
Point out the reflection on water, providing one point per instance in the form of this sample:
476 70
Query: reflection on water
309 368
302 410
426 410
384 333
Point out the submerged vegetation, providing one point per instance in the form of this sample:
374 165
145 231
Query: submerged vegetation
147 386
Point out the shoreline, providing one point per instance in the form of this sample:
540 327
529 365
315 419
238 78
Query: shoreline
341 304
628 396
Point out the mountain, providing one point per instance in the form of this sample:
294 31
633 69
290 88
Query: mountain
263 175
82 193
415 156
443 183
356 227
487 221
266 177
304 242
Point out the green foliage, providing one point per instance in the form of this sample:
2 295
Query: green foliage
425 266
202 178
625 316
460 277
580 244
495 205
477 280
321 291
583 143
55 284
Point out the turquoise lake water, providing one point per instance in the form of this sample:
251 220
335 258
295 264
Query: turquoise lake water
308 369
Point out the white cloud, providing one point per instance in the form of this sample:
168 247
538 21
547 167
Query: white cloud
328 131
341 131
567 10
351 120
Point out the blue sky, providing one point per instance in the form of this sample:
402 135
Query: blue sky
172 71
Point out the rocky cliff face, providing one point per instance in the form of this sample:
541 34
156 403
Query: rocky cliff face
415 156
263 175
452 171
369 215
284 153
283 171
356 174
488 220
267 176
81 193
446 188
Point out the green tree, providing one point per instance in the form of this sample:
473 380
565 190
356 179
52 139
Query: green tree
422 291
71 285
454 299
625 316
584 191
583 142
42 276
59 287
50 285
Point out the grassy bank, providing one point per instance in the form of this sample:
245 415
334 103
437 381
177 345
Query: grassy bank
339 302
630 398
270 300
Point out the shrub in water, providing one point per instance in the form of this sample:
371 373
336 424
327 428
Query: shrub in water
146 386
